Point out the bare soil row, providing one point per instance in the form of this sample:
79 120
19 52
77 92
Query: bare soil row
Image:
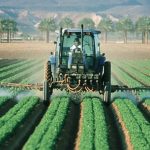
42 50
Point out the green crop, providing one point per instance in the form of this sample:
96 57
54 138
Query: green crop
94 132
135 73
137 126
46 134
11 120
3 99
147 101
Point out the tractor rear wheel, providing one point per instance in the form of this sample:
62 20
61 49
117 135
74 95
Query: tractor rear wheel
107 93
107 82
47 82
46 93
107 71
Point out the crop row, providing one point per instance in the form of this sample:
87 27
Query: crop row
137 126
18 70
146 106
27 80
7 62
37 75
3 100
15 65
24 79
136 74
147 102
13 111
47 132
125 78
141 63
22 74
94 131
11 72
138 67
14 117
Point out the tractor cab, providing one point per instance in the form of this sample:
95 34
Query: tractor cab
82 59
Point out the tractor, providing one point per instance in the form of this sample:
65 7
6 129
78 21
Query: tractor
88 69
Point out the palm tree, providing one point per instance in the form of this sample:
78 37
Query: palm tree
105 25
47 25
1 31
66 23
9 27
5 27
87 22
143 26
12 29
125 25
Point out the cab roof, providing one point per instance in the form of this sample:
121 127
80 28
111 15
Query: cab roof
94 31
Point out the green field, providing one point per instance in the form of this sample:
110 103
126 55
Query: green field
26 123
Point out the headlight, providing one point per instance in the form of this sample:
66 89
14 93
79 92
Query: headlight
81 67
74 67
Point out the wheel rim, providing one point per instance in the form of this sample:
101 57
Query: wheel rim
105 96
107 93
46 91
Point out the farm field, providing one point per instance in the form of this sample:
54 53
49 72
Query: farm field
25 123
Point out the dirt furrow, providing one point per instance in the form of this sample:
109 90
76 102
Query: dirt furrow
69 132
6 107
145 111
125 137
114 135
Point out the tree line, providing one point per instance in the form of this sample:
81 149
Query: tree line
8 28
106 25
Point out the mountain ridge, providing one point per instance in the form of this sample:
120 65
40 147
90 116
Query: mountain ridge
28 13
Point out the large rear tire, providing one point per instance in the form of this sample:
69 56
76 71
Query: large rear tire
107 82
107 93
107 71
48 72
46 93
47 81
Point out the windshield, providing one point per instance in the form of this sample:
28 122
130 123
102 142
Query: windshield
88 51
88 43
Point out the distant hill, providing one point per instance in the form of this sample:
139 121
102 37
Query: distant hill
28 13
70 5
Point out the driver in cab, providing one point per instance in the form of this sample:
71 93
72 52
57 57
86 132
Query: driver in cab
76 47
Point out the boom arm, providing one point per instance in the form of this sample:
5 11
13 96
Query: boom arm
37 86
126 88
